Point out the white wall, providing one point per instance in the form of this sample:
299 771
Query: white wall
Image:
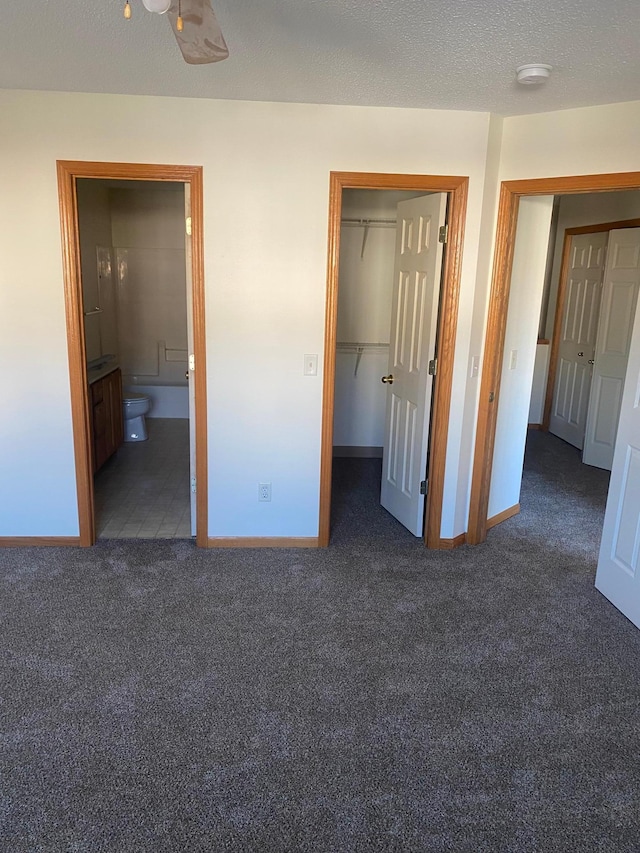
266 177
525 298
471 328
539 384
586 141
360 400
266 171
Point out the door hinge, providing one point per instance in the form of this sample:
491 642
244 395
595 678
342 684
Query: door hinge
192 361
423 487
443 233
433 367
193 485
188 226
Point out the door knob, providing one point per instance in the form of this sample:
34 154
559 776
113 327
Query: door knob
580 354
388 379
592 361
186 374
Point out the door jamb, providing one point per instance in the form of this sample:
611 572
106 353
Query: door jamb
510 194
456 187
68 171
559 312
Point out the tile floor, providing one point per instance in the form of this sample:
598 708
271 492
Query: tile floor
143 492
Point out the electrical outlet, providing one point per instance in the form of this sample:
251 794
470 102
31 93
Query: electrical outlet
264 491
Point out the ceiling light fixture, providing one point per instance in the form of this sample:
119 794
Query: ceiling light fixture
157 6
534 74
160 7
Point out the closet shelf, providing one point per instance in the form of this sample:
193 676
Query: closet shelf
366 224
348 346
357 349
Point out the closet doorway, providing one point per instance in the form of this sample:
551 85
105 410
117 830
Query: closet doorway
391 305
389 290
69 174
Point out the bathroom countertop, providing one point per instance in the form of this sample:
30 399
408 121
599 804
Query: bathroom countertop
95 373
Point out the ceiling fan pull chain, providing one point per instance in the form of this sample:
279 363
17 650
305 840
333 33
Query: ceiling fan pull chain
179 23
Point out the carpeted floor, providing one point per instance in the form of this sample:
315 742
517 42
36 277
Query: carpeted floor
369 697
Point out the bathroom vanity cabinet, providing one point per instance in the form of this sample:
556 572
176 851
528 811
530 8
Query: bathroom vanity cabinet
105 408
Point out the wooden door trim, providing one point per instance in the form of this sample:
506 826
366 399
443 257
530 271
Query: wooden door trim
559 312
68 172
510 194
456 187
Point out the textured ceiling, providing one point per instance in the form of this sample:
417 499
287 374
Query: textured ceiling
459 54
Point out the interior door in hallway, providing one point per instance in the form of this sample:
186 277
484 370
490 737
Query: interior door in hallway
618 574
619 298
191 356
583 290
414 315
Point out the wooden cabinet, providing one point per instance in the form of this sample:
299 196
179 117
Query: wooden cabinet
105 409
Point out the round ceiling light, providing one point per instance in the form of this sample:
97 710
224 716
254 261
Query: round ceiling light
158 6
533 74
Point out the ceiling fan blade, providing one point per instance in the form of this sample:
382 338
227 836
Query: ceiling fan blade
201 39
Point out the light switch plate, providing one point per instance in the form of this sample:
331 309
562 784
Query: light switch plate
311 364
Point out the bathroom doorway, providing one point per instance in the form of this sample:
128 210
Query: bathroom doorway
132 244
134 283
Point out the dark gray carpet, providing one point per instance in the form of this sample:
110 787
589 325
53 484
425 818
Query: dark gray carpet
372 696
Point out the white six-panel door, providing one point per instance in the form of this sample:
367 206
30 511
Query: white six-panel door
619 298
191 364
578 337
414 315
618 574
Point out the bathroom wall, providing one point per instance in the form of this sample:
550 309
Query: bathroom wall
96 256
364 314
147 226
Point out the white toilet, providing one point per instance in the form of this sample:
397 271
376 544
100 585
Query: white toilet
134 408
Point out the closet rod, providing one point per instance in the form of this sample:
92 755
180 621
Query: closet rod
347 221
358 349
366 224
361 344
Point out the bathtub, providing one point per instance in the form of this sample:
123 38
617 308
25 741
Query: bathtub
167 401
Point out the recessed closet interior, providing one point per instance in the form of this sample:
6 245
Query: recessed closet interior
366 270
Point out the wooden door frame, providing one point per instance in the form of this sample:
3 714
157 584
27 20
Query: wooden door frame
456 187
510 194
559 312
68 172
